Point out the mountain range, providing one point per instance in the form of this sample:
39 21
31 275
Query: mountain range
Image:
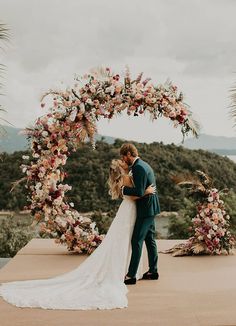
11 140
219 144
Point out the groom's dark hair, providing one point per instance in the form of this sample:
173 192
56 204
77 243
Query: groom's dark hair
128 147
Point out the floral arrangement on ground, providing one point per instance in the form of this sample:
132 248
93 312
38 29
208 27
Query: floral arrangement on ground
70 120
211 223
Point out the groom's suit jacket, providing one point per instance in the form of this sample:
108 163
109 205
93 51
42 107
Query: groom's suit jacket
143 177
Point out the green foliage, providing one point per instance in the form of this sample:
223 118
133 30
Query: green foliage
180 226
14 234
230 206
88 173
103 220
10 172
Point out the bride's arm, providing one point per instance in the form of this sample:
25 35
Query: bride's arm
127 181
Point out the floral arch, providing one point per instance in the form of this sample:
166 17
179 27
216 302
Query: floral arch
72 119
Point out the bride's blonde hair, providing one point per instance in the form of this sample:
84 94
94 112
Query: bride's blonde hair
115 180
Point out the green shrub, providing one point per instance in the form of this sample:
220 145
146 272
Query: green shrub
13 236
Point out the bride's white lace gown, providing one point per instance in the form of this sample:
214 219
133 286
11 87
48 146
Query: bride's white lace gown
98 283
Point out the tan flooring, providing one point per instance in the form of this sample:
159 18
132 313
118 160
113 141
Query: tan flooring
191 291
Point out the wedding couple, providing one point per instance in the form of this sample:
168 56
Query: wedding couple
100 281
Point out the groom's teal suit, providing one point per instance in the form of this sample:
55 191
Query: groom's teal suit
147 207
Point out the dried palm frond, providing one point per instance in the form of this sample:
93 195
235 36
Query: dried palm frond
204 178
198 183
189 180
100 72
232 106
186 178
198 247
127 72
4 36
4 32
178 250
90 128
193 126
50 92
16 183
139 78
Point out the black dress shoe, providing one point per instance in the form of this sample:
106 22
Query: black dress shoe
150 276
130 281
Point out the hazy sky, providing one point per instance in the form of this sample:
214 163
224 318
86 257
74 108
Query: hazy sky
192 42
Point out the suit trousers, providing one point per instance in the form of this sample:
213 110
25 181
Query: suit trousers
144 230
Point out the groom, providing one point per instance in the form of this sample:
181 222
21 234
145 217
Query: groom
147 207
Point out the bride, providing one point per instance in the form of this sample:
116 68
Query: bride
98 283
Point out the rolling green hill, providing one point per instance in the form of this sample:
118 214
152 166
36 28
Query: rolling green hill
88 172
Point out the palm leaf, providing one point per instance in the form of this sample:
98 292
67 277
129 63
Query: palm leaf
232 105
4 32
185 179
204 178
198 183
4 36
193 125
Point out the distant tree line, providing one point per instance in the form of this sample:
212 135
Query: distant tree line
87 171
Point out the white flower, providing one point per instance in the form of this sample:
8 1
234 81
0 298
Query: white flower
73 114
92 225
209 236
38 185
215 227
60 221
25 157
86 219
44 133
36 155
110 90
89 101
72 204
78 230
211 232
63 238
210 199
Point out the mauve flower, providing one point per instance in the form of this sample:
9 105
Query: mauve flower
92 89
78 230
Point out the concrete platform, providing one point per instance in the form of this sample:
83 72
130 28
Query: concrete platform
191 290
4 261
